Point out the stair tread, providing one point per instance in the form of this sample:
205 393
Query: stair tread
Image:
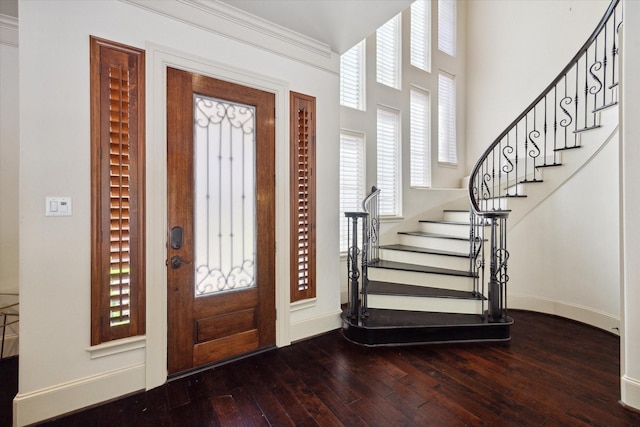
393 265
399 289
434 235
386 318
430 221
421 250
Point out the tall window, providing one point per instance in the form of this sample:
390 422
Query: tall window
420 140
303 196
117 191
388 159
447 26
352 77
352 179
421 34
447 151
388 53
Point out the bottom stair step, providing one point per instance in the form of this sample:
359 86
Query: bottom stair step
399 327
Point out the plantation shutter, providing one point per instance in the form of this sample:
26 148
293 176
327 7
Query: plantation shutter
420 34
420 141
388 159
388 53
352 180
117 101
447 26
303 202
447 151
352 77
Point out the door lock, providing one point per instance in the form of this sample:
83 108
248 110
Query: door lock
177 261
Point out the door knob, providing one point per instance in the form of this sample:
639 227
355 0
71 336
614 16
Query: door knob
177 261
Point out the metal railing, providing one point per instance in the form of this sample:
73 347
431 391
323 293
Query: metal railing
358 260
569 105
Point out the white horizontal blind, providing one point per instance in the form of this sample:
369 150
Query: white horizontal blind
352 178
447 26
352 77
421 34
420 150
388 158
447 152
388 53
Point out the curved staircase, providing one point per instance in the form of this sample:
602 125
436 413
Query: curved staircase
446 281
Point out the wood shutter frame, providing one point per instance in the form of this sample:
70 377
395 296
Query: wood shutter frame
303 196
117 190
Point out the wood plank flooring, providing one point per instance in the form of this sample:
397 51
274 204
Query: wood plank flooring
554 372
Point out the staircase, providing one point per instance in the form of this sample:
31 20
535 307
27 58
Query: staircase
446 281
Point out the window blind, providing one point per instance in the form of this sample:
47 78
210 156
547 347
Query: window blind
420 145
447 26
447 151
388 53
352 179
421 34
352 77
388 161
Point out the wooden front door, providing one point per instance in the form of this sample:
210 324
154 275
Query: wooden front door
221 220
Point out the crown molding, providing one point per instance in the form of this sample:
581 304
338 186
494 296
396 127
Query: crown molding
225 20
8 30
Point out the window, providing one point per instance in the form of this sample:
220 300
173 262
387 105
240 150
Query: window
420 140
388 53
303 197
352 77
352 180
447 119
421 34
388 159
447 26
117 191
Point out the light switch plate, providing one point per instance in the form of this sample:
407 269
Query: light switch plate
58 206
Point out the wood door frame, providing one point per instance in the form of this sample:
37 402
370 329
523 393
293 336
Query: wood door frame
159 58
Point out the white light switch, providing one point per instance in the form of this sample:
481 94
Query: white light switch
58 206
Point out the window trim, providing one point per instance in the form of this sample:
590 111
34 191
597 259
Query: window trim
426 160
363 177
451 146
394 54
448 27
134 60
424 43
361 76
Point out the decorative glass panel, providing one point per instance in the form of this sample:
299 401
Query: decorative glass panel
224 223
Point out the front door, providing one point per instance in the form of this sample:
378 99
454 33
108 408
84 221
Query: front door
221 220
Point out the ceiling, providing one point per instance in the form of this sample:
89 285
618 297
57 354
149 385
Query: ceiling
341 24
338 23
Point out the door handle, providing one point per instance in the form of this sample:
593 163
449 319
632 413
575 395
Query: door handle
177 261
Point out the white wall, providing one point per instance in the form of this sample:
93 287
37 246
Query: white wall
630 230
57 373
515 49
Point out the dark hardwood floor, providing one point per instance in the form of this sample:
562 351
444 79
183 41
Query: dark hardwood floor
554 372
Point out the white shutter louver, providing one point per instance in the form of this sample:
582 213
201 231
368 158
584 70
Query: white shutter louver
447 152
388 159
447 26
352 77
420 145
388 53
352 180
420 34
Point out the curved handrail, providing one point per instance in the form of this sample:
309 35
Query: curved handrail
367 200
473 190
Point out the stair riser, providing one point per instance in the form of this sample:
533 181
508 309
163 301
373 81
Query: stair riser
442 261
448 229
453 245
441 305
455 216
458 283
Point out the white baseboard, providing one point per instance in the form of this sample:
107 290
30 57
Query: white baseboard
318 325
29 408
579 313
630 392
